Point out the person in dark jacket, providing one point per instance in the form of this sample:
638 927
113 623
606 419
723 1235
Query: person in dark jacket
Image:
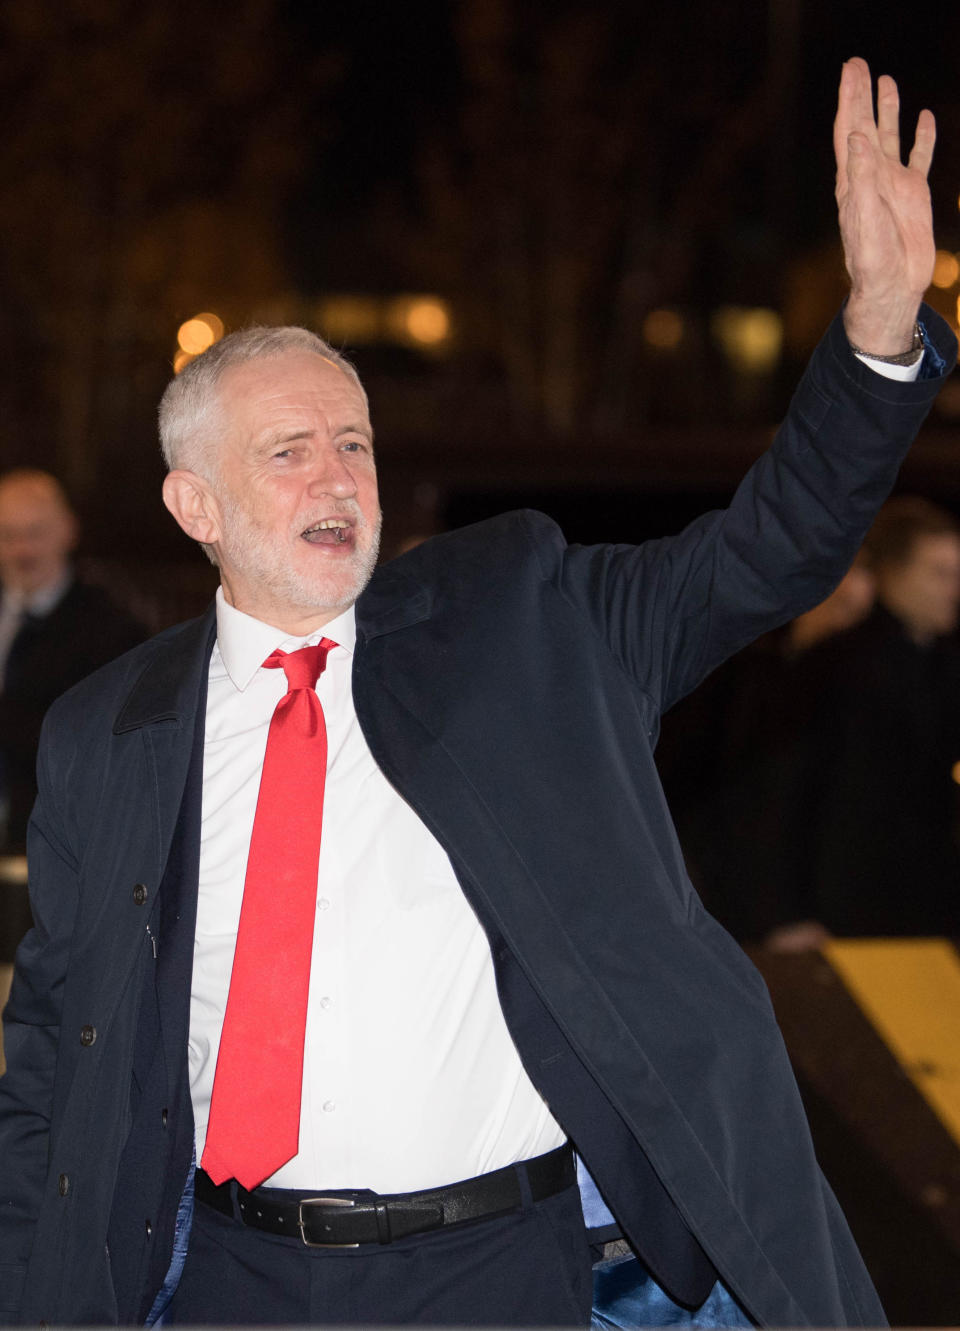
500 924
878 804
54 630
732 758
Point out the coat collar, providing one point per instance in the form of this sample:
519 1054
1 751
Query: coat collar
394 599
169 689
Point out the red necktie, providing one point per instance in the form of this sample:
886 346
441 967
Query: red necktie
254 1125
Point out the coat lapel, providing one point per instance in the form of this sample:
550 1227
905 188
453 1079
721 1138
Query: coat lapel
393 600
166 703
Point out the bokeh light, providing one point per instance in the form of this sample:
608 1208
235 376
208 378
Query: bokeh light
350 319
427 320
196 335
946 269
751 338
663 329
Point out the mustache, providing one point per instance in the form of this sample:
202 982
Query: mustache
348 508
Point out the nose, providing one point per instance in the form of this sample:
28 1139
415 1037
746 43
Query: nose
331 476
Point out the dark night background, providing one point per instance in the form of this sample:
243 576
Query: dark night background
595 196
553 174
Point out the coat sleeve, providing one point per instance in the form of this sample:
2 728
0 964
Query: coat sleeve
31 1033
673 609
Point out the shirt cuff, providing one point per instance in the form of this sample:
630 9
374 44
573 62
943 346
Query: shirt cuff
907 374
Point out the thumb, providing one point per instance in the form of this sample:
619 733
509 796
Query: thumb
861 164
857 146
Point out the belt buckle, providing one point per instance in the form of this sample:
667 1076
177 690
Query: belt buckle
323 1201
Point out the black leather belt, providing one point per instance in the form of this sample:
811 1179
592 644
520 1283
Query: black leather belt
342 1219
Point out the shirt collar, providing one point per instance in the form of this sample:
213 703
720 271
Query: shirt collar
41 603
245 643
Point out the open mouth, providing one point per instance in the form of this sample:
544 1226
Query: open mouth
331 531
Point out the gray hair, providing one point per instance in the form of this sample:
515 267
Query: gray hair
189 409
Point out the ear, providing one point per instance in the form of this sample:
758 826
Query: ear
194 505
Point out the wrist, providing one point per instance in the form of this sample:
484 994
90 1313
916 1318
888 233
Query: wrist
881 329
905 358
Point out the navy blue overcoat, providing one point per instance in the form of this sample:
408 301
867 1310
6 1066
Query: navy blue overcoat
510 687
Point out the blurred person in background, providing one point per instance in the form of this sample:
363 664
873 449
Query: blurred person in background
846 606
877 803
54 630
731 758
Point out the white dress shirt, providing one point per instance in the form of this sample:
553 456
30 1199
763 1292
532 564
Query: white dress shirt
411 1079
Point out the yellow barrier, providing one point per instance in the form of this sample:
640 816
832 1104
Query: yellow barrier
909 988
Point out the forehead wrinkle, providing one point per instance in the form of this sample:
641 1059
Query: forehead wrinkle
307 400
301 409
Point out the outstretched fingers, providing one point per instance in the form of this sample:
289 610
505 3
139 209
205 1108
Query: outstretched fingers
921 155
855 117
888 127
888 116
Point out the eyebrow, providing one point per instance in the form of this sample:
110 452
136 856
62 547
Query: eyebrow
365 430
282 437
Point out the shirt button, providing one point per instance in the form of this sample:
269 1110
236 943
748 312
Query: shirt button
87 1035
63 1185
323 904
329 1106
325 1002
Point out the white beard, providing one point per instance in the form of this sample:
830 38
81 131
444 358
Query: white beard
257 557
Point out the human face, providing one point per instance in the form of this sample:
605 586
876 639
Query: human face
299 516
37 533
924 591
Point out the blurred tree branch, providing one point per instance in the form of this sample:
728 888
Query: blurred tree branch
596 152
146 159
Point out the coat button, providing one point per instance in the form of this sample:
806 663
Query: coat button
87 1035
163 1118
149 1229
63 1185
140 894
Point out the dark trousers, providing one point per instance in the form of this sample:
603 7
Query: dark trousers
531 1268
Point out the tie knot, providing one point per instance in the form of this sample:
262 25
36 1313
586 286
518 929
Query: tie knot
304 666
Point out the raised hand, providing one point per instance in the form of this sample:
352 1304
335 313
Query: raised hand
886 223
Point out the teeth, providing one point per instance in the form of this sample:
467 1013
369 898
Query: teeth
329 524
